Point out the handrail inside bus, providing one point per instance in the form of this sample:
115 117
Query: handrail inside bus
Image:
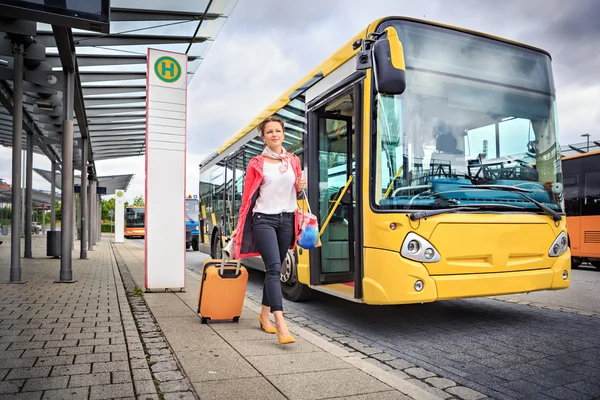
335 206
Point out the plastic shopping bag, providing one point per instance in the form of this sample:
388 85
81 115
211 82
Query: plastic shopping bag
309 229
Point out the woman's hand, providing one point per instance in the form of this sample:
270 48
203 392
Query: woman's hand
301 183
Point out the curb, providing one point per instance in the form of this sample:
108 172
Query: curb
167 374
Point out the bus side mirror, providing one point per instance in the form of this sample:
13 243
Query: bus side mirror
388 64
384 53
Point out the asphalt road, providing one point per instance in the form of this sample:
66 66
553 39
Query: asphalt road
498 347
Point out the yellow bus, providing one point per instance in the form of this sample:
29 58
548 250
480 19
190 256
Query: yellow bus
433 165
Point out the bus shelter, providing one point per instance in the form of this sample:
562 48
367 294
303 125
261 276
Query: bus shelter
73 88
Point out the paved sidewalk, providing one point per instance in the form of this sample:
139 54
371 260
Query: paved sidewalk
69 341
228 361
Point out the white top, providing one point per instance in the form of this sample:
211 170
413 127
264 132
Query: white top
277 190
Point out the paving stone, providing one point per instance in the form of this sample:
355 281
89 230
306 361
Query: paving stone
61 343
24 345
5 355
121 377
465 393
168 376
90 380
164 366
156 345
111 391
45 338
11 386
419 372
62 394
440 383
179 396
174 386
440 394
22 396
120 356
15 339
58 360
57 382
136 364
75 369
110 348
110 366
26 373
141 374
92 358
94 342
145 387
162 357
383 357
400 364
158 352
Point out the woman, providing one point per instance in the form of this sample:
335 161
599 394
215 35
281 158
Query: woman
268 225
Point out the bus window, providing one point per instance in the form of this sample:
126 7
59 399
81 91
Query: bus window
591 185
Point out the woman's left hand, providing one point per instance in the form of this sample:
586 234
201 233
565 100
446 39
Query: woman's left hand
301 183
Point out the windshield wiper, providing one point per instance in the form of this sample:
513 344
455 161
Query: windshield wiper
430 213
464 207
550 212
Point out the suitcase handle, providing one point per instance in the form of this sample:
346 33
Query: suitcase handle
237 268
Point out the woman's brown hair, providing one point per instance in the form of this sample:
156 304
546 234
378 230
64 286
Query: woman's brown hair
272 118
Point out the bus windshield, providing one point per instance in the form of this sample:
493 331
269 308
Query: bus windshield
134 217
475 111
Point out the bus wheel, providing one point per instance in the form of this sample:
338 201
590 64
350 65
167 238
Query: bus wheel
195 246
290 287
575 262
595 263
217 248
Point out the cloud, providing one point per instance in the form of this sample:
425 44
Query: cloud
267 45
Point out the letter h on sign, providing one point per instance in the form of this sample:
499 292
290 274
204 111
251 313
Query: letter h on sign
170 68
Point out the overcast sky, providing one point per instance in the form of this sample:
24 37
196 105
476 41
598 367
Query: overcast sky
268 45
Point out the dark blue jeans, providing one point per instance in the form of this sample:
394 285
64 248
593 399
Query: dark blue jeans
273 234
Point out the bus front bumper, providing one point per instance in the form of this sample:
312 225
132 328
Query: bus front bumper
390 278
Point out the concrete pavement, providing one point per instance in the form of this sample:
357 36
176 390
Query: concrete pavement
227 360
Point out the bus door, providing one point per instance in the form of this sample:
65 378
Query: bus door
332 167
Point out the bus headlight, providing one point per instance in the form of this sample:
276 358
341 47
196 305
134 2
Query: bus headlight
418 249
559 246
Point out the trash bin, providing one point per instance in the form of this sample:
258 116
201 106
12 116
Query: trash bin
53 244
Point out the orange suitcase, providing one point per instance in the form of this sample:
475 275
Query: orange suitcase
222 290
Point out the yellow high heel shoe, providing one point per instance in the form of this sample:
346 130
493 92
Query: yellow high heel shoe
268 330
284 340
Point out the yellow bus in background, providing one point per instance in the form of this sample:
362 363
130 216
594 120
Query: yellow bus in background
433 165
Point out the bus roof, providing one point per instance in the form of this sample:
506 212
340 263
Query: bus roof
342 55
582 149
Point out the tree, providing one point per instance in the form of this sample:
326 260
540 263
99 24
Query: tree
107 206
138 201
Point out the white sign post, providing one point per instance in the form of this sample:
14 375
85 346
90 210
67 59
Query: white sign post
166 82
119 216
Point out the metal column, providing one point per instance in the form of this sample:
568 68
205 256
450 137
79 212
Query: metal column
99 217
94 207
90 224
53 199
66 271
83 201
15 243
28 196
43 219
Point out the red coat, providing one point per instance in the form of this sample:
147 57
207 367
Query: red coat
245 245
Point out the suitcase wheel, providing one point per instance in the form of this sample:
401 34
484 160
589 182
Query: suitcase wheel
204 320
236 319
